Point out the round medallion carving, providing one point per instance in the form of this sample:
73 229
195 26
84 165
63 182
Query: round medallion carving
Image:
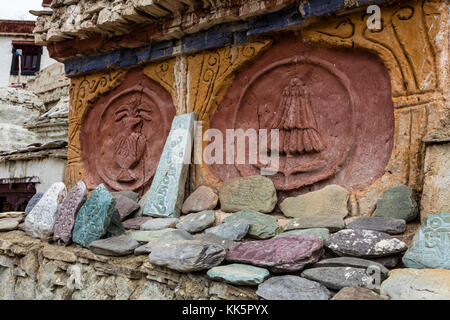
124 132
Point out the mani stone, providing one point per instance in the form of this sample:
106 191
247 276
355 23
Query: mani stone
233 230
166 193
415 284
196 222
351 262
203 198
364 243
170 236
292 288
329 201
356 293
40 221
125 206
399 203
115 246
322 233
135 223
129 194
338 277
285 254
430 247
33 201
95 217
253 193
262 226
332 223
187 255
158 224
65 219
382 224
239 274
156 235
8 225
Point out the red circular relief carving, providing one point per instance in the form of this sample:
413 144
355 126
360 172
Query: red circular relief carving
123 134
333 110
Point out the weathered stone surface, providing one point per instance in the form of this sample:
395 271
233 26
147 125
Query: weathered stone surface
187 255
239 274
252 193
262 226
356 293
285 254
135 223
338 277
292 288
8 225
203 198
398 202
364 243
115 246
40 221
11 214
166 193
389 261
129 194
329 201
382 224
125 206
156 235
322 233
215 239
413 284
332 223
351 262
196 222
95 217
158 224
65 219
233 230
33 201
430 247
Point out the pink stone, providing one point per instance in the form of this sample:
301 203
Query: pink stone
285 254
135 223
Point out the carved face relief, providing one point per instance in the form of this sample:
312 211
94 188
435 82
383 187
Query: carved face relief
333 110
124 133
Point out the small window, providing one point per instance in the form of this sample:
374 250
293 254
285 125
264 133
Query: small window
30 59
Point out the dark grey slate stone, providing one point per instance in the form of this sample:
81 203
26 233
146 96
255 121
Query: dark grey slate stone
332 223
350 262
364 243
382 224
215 239
196 222
233 230
187 255
337 278
115 246
33 201
398 202
292 288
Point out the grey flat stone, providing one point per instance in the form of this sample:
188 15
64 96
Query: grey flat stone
292 288
233 230
239 274
156 235
350 262
262 226
8 225
337 278
215 239
196 222
159 223
399 203
187 255
364 243
166 193
322 233
332 223
115 246
382 224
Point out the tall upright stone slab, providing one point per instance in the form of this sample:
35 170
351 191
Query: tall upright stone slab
40 221
166 195
95 217
65 219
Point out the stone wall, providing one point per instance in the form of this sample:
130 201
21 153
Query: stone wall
32 269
